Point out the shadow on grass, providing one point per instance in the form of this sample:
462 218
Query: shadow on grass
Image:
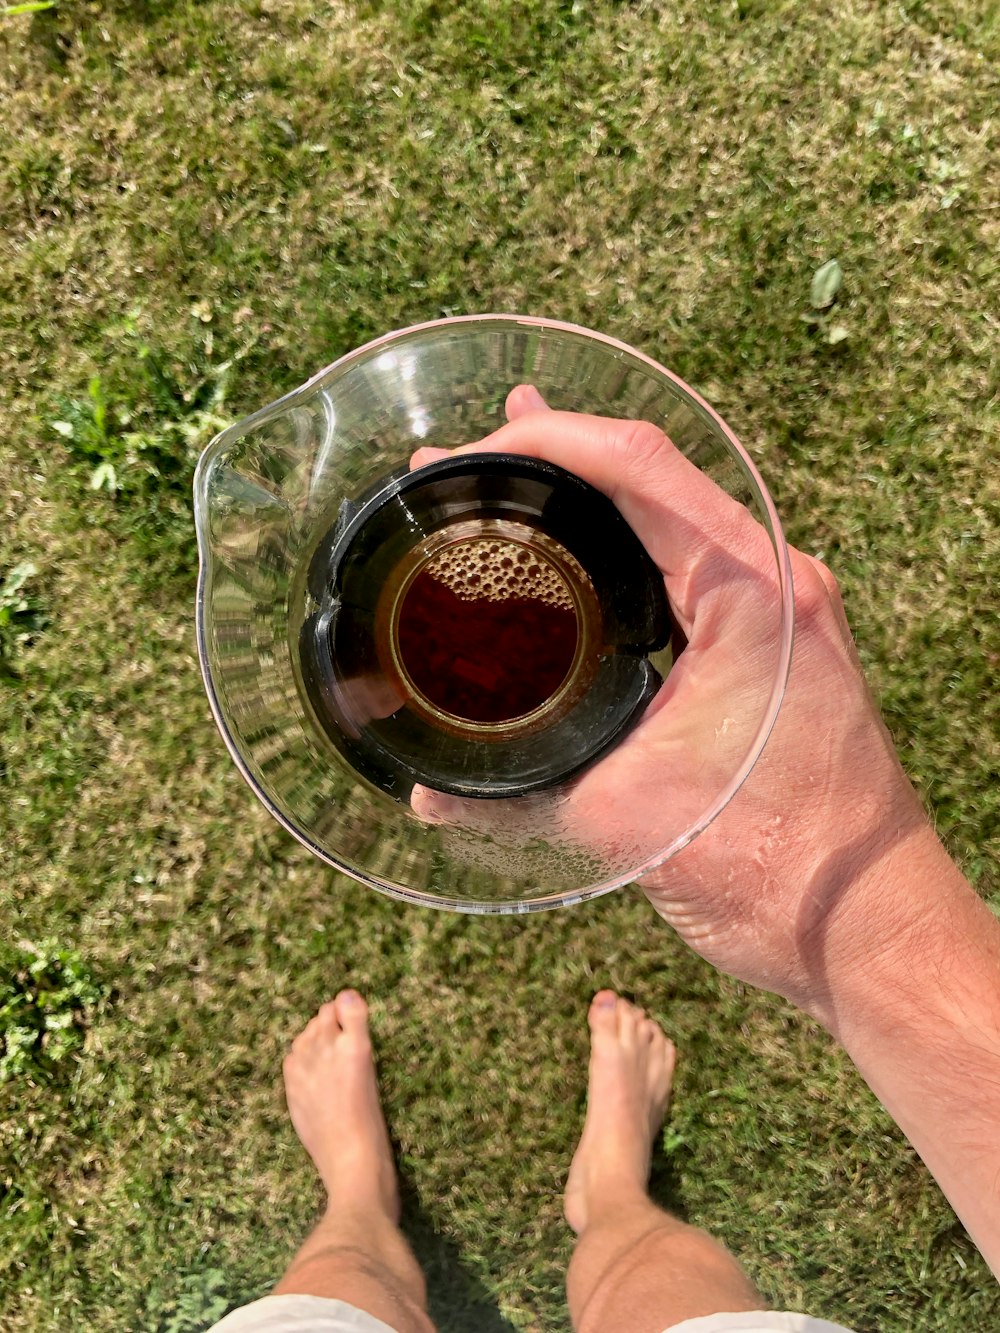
457 1300
664 1182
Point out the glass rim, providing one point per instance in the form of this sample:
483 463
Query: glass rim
566 898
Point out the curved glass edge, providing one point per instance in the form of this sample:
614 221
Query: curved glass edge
474 906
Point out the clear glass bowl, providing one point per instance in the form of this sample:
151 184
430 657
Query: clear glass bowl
269 488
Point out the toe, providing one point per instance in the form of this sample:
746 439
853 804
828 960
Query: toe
660 1068
629 1020
327 1017
352 1012
319 1023
603 1014
669 1055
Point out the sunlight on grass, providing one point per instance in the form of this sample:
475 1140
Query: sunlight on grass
205 203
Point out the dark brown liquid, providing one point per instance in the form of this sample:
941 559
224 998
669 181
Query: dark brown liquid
484 659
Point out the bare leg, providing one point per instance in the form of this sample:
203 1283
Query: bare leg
635 1268
356 1253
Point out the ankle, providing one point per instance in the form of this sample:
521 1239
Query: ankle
613 1205
358 1213
361 1183
621 1206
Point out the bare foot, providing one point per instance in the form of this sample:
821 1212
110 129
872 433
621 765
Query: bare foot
334 1105
631 1070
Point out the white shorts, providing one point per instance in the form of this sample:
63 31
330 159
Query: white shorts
318 1314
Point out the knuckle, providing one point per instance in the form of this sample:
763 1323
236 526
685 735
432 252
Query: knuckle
639 443
827 575
814 588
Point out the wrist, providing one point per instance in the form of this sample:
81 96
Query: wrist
920 1018
905 946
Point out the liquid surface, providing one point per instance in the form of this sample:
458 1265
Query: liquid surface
487 631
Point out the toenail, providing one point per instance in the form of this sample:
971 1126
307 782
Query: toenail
605 1000
350 997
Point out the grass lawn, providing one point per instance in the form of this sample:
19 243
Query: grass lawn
268 183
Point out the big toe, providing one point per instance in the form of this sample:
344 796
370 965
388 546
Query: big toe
603 1015
352 1013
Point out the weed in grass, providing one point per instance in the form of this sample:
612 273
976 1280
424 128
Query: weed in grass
136 446
21 618
47 995
145 443
201 1298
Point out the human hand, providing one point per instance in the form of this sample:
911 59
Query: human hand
784 873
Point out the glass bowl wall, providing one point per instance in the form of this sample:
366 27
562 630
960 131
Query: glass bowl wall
267 490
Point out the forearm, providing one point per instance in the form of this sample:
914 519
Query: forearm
920 1017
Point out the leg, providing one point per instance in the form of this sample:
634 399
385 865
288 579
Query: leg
635 1268
356 1253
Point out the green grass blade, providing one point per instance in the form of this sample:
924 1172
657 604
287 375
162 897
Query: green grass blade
35 7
